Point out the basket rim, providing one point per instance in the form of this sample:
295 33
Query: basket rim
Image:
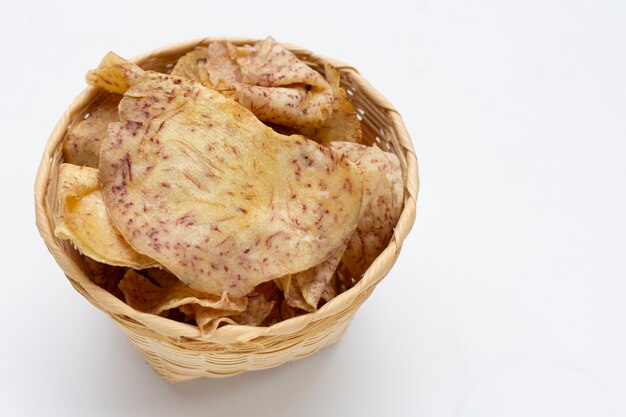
166 329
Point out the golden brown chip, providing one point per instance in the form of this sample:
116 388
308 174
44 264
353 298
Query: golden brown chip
114 74
82 143
280 88
292 292
383 192
198 183
193 66
207 319
261 309
342 125
313 281
304 289
158 291
266 78
222 67
82 218
256 313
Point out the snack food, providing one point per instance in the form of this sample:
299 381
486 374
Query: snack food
156 291
84 139
270 81
381 206
249 226
304 289
83 219
343 124
277 87
177 180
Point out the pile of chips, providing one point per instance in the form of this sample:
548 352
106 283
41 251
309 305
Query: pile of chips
233 190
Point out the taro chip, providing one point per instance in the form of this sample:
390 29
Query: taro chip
342 125
114 74
82 218
261 309
207 319
313 281
280 88
193 66
82 143
383 192
256 313
266 78
304 289
292 292
198 183
157 291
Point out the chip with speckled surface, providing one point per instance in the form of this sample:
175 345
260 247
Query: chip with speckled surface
82 218
114 74
198 183
82 143
266 78
304 289
342 125
192 65
383 192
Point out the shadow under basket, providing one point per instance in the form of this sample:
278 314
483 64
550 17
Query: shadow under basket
177 351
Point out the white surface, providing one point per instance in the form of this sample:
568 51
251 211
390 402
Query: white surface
509 296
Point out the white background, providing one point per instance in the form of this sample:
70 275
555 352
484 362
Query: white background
509 298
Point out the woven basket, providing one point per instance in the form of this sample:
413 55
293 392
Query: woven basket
178 351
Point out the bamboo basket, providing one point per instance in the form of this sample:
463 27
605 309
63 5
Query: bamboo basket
177 351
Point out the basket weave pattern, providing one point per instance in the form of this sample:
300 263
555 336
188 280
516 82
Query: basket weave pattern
177 351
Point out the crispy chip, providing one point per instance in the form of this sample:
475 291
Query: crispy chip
81 145
262 309
292 292
193 66
158 291
383 192
342 125
222 67
256 313
266 78
304 289
207 319
114 74
198 183
280 88
82 218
